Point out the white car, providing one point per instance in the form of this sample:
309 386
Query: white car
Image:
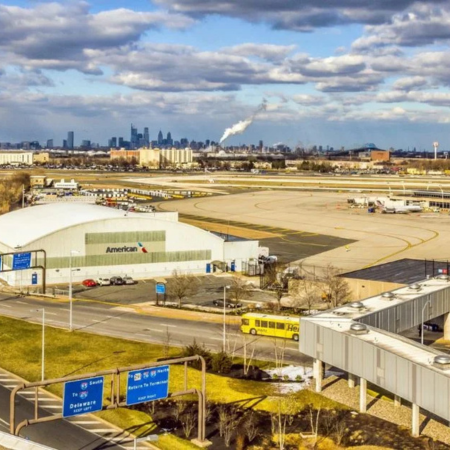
128 280
103 281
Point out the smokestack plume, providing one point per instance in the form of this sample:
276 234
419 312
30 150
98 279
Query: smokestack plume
241 126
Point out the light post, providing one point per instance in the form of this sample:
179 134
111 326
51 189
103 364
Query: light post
72 252
42 344
224 315
423 310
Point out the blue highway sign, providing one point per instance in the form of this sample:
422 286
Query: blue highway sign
21 261
83 396
34 278
160 288
146 385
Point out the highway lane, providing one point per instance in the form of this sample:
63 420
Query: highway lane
112 321
59 434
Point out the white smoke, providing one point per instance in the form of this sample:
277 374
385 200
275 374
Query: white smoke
242 125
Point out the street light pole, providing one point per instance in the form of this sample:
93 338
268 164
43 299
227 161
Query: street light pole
70 289
423 310
43 346
224 315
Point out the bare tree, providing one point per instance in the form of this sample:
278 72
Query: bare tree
182 285
247 359
166 344
340 429
276 280
251 427
180 406
239 289
306 293
190 418
336 289
230 425
279 351
223 418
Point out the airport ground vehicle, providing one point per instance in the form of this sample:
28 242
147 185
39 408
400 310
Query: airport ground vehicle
89 283
271 325
103 281
229 304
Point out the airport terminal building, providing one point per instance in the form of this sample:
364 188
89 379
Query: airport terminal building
97 241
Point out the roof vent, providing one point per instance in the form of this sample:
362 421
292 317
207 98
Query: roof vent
442 362
415 286
359 328
357 305
388 295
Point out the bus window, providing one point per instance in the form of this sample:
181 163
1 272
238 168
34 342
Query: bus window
245 322
264 323
257 323
271 324
280 326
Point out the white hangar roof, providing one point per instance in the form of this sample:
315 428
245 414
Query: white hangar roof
28 224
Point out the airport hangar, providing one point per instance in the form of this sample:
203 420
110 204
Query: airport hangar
94 241
361 338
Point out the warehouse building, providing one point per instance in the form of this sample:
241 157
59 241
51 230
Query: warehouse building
96 241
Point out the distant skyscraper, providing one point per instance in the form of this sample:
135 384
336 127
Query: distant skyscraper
64 143
146 137
70 137
49 143
121 141
169 139
160 138
134 137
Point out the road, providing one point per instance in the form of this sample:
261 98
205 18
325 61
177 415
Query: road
59 434
113 321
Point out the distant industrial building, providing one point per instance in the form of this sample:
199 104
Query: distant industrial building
16 157
154 157
368 152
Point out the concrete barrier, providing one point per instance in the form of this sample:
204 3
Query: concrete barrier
17 443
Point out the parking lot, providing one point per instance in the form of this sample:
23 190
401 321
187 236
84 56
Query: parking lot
210 289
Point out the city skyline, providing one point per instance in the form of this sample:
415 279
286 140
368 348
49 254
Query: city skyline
341 75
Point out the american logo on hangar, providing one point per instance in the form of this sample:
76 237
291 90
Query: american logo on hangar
126 249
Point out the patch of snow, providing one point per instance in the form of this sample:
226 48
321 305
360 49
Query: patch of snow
294 373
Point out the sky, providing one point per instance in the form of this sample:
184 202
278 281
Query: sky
332 72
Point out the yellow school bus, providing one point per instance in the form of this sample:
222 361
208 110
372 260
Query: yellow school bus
270 325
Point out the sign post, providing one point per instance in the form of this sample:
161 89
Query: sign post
147 385
83 396
160 290
21 261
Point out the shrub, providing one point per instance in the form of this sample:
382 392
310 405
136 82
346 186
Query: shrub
196 349
221 362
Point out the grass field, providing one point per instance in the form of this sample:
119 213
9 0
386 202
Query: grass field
81 353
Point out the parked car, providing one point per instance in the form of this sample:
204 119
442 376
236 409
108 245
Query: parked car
118 281
219 302
432 326
103 281
89 283
128 280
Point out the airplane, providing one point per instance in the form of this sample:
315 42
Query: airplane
401 209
